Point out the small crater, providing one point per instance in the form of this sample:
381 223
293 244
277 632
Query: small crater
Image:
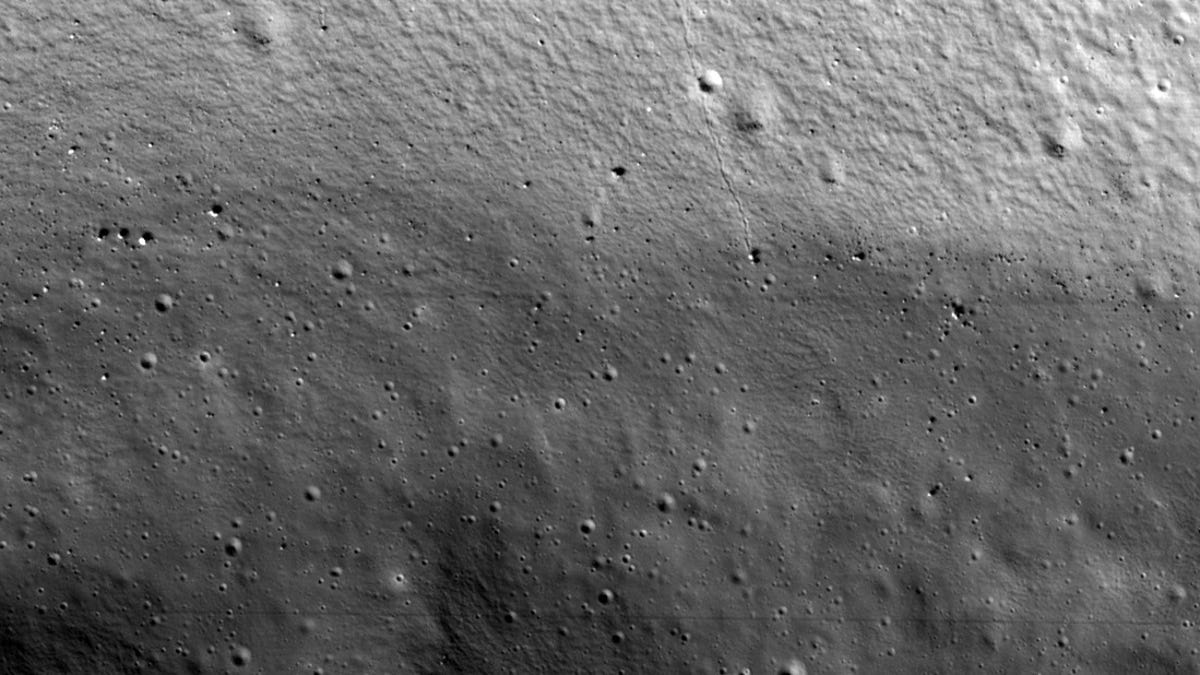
164 302
666 502
710 81
341 270
241 657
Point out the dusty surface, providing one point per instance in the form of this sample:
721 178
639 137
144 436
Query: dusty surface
500 338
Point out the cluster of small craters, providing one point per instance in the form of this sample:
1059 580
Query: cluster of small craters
240 656
125 235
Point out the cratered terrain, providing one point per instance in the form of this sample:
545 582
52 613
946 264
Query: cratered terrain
617 337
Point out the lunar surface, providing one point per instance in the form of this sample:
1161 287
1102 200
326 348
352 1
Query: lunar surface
656 337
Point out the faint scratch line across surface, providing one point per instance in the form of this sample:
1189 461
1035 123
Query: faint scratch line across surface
712 134
965 620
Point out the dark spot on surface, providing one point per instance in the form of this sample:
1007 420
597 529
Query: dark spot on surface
746 122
